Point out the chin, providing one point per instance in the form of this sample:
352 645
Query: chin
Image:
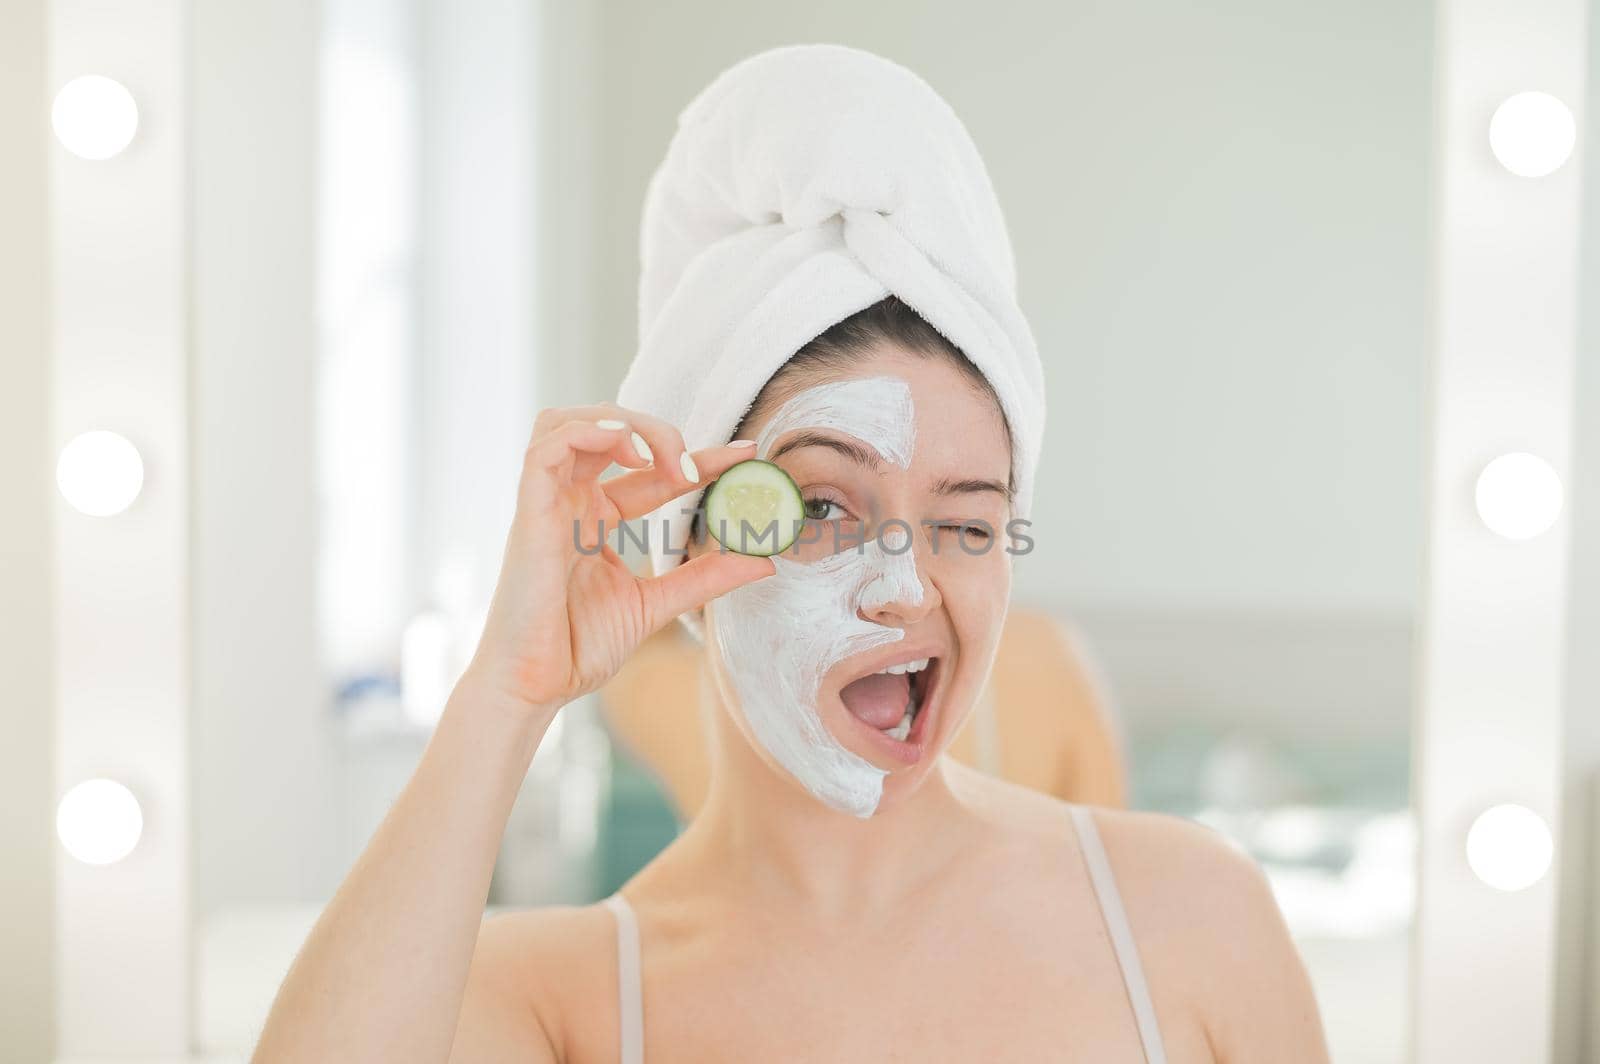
902 786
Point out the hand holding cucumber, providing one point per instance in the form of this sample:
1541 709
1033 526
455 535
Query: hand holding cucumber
563 620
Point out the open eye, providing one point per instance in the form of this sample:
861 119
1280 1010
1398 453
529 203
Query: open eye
821 502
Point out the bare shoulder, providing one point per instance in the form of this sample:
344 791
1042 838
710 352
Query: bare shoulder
524 936
1162 858
1215 949
1172 858
1208 926
542 981
1157 852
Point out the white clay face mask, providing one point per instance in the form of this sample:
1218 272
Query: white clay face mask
778 637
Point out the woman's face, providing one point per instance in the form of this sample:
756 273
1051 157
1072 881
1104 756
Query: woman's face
902 463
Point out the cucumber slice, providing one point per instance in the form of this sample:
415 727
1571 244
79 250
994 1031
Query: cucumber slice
755 508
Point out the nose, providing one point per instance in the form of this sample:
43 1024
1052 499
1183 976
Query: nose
900 592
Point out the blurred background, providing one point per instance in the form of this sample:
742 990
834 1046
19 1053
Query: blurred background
385 233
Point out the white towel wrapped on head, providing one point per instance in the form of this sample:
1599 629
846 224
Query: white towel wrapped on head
804 184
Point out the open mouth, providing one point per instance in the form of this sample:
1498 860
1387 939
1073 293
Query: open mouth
892 704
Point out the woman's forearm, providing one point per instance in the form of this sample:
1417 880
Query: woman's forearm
384 972
382 975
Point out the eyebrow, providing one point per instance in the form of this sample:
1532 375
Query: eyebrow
946 486
868 459
859 453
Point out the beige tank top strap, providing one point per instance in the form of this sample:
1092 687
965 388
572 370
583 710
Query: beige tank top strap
1116 921
630 1005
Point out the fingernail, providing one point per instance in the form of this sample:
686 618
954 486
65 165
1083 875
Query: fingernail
742 443
643 448
610 423
690 470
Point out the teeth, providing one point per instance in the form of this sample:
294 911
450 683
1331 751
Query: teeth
910 666
901 730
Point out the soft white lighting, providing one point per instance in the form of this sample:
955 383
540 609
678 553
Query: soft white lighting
1532 133
100 473
427 652
1509 847
94 117
99 821
1519 495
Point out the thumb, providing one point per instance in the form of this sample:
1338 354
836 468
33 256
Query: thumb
697 582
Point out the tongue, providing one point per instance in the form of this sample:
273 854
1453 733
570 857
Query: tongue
880 699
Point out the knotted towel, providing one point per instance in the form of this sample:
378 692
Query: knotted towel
804 184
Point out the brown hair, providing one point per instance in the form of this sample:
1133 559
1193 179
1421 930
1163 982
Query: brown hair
888 321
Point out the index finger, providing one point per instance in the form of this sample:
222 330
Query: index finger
643 490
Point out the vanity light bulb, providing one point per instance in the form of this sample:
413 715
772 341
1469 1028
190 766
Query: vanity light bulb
100 473
1509 847
1532 134
1519 495
99 821
94 117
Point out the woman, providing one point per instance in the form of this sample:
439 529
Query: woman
846 892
